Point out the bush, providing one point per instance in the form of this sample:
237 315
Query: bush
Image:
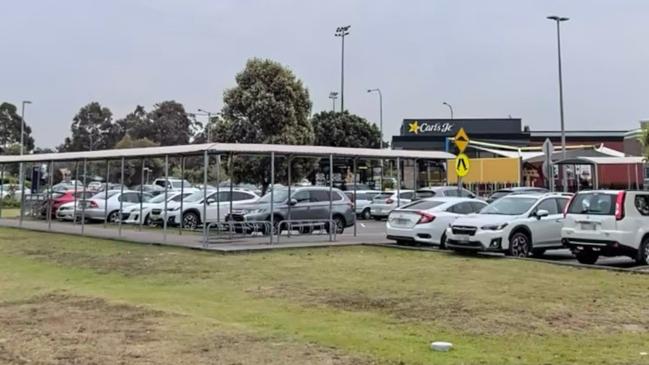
8 203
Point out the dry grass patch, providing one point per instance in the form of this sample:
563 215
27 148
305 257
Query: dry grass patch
63 329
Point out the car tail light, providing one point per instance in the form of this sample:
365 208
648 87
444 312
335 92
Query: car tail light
425 217
389 201
565 209
92 204
619 205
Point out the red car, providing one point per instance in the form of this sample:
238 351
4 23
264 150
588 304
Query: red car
61 198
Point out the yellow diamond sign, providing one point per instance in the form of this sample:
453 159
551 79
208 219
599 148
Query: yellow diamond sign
461 140
462 165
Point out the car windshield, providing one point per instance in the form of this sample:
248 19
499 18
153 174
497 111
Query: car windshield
279 196
499 194
593 204
509 206
423 205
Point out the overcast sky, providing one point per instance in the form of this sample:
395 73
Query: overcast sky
486 58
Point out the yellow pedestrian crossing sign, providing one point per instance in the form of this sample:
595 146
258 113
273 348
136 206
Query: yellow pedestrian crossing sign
462 165
461 140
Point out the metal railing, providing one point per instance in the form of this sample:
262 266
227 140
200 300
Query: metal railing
307 227
236 229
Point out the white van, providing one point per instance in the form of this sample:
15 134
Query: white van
608 223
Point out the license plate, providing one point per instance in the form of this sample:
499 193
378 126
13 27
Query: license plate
588 226
463 238
401 221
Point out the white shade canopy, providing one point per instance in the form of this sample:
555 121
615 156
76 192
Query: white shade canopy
226 148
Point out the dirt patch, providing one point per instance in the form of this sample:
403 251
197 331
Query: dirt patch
61 329
456 312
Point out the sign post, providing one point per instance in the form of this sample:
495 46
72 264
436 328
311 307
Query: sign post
462 163
548 169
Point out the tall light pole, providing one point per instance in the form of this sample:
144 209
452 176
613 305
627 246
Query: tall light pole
449 107
377 90
342 32
558 20
22 126
333 96
22 141
209 120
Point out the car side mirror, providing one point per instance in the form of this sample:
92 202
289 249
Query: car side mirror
292 202
211 201
542 213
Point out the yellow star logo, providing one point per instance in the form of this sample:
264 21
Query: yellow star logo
414 127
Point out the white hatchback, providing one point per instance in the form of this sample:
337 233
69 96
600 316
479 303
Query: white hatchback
608 223
425 221
383 203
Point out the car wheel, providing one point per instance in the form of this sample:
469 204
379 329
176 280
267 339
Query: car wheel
366 214
519 245
442 242
148 221
113 217
642 257
586 256
339 223
190 220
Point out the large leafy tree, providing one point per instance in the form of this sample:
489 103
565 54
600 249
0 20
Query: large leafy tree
644 140
268 105
92 129
133 167
168 124
345 130
10 123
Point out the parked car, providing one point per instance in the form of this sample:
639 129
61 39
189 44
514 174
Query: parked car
608 223
131 214
60 198
13 191
518 225
192 214
363 201
154 189
306 203
439 191
425 221
95 185
66 211
173 183
516 190
98 208
384 202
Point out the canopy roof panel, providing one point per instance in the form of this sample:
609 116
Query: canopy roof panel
225 148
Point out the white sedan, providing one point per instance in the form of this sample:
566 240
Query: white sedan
131 214
425 221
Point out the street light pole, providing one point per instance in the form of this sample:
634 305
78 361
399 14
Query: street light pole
558 20
207 126
377 90
342 32
22 141
333 96
449 107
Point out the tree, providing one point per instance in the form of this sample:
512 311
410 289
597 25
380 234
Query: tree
133 167
93 129
345 130
644 140
168 125
10 123
268 105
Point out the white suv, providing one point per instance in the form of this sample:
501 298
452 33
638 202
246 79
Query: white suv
518 225
608 223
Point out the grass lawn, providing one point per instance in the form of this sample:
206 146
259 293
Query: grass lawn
67 299
10 213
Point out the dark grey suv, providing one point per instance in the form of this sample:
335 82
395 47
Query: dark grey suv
306 203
